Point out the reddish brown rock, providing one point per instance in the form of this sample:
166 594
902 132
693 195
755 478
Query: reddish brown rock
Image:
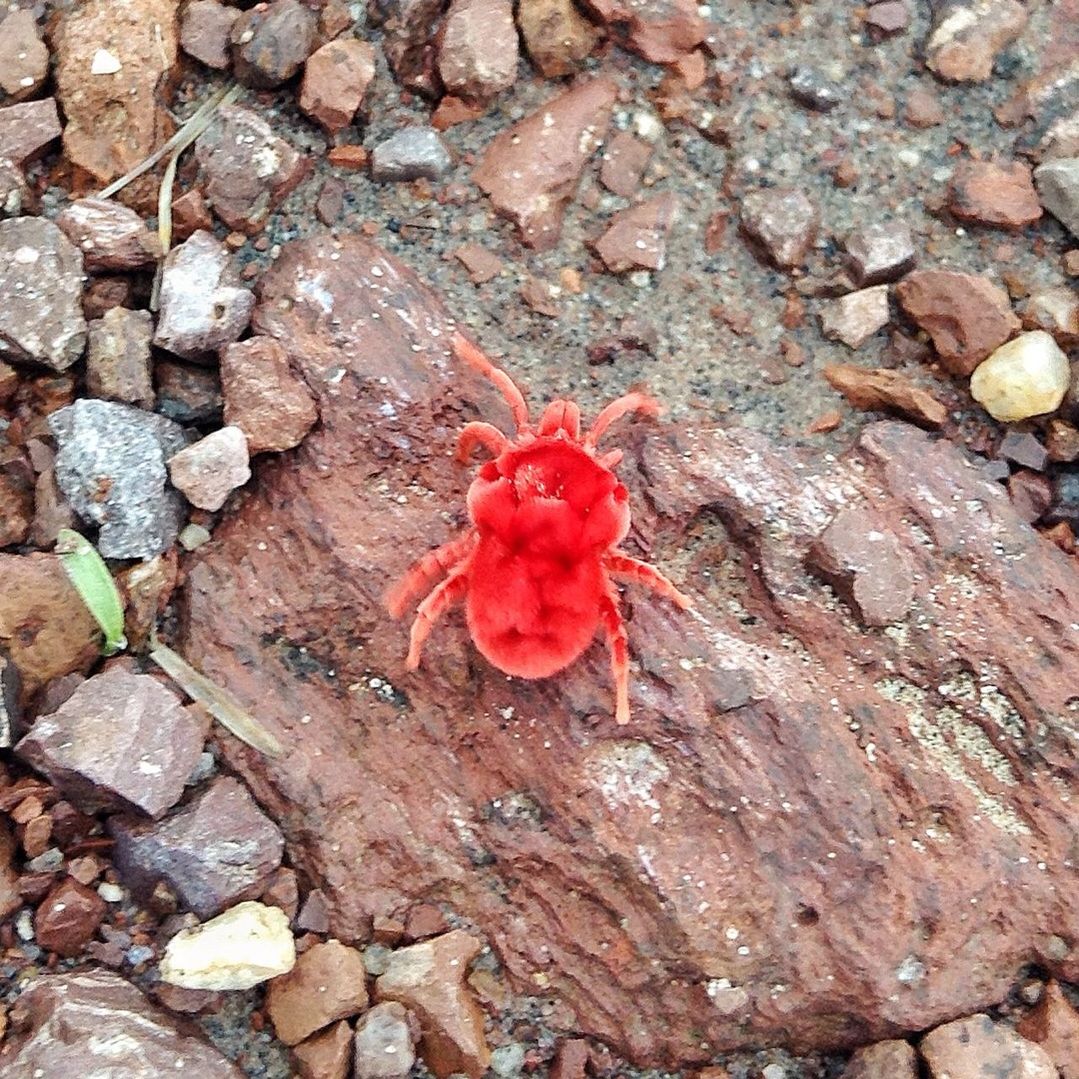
94 1020
924 108
429 979
110 236
118 357
248 169
326 1055
623 165
1056 311
571 1060
879 389
477 58
102 294
976 1047
10 899
557 37
328 983
45 628
24 60
1062 441
27 129
68 918
264 397
531 170
335 78
968 34
966 315
270 42
385 1042
213 852
114 62
205 32
1054 1025
885 1060
409 34
953 786
887 18
1031 494
661 32
190 214
481 264
783 221
991 194
121 741
16 501
208 471
637 237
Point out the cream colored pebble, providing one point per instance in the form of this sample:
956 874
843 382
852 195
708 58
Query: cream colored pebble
1027 376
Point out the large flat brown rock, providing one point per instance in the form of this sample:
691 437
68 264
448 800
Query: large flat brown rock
813 833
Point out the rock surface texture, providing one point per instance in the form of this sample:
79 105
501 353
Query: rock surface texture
720 870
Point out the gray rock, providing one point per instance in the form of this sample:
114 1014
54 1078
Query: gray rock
384 1045
812 89
1058 188
211 469
41 319
95 1023
111 468
121 741
880 252
203 305
783 221
118 357
214 852
411 154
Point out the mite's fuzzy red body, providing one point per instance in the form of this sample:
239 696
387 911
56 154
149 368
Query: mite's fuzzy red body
536 569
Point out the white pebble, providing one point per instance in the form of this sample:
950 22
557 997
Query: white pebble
1025 377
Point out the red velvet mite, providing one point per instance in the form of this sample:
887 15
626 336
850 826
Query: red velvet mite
536 568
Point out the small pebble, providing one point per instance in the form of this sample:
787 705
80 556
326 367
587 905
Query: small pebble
1024 377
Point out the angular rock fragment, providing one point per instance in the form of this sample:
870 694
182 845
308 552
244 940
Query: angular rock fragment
975 1047
209 470
531 170
248 169
335 79
27 129
477 58
624 161
326 1055
121 741
327 983
811 88
264 397
1054 1025
111 468
41 319
114 61
637 237
409 29
1056 311
203 305
887 18
1025 377
966 315
991 194
885 1060
412 153
968 34
482 265
110 236
68 917
247 945
1023 449
1058 188
660 32
385 1043
205 32
118 357
213 852
428 979
45 627
783 221
187 393
95 1021
865 564
854 318
270 42
557 37
886 391
24 60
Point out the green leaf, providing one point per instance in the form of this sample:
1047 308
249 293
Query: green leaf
96 588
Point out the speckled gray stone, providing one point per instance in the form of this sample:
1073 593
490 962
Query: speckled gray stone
111 468
411 154
1058 188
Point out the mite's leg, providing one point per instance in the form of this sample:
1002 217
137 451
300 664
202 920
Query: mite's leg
632 402
561 416
452 590
433 566
479 434
465 350
611 459
631 569
611 617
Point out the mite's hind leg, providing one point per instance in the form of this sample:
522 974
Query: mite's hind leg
465 350
433 566
451 591
615 627
631 402
630 569
480 434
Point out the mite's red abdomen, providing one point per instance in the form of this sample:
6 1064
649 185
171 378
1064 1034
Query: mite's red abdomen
532 614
